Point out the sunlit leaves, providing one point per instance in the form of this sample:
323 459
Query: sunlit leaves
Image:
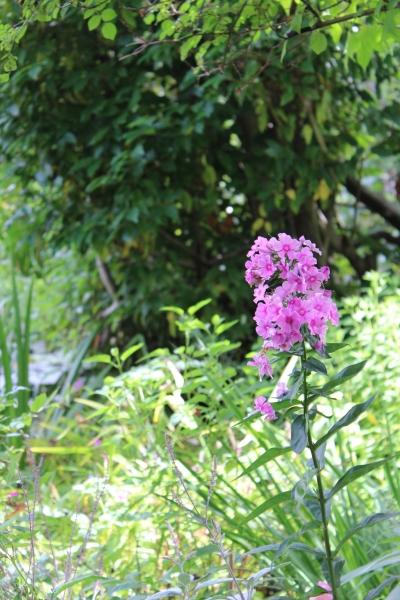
318 42
109 31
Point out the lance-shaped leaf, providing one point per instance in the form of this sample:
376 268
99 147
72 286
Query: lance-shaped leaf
313 364
367 522
355 473
351 416
270 454
334 347
298 438
343 375
375 565
377 591
270 503
166 594
85 578
394 594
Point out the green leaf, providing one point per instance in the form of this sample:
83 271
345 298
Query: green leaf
211 582
250 417
94 22
298 438
367 522
334 347
307 133
60 449
264 458
318 42
347 419
355 473
87 578
109 31
38 402
175 309
108 14
149 18
335 32
125 355
313 364
101 358
375 565
343 375
270 503
192 310
188 45
377 591
394 594
225 326
167 29
170 592
297 19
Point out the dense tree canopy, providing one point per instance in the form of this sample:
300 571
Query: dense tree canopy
166 138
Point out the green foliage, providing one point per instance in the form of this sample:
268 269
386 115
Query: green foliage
166 178
15 339
107 469
222 32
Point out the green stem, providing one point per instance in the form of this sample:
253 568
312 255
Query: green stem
321 494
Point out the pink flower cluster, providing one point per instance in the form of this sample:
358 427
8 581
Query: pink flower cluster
264 407
289 293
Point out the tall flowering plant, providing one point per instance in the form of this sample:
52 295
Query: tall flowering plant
293 311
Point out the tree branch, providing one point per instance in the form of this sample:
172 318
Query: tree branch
388 210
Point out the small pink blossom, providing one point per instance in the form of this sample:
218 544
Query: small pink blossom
13 494
263 406
262 363
281 389
324 585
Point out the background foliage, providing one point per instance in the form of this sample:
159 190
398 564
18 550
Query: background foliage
165 164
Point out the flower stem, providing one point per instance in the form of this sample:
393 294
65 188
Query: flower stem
321 494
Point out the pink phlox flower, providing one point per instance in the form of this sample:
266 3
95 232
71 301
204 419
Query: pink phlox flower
309 244
324 585
281 389
13 494
296 282
78 384
263 406
325 272
265 268
262 363
259 292
289 293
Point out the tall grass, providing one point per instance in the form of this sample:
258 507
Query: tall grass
15 334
